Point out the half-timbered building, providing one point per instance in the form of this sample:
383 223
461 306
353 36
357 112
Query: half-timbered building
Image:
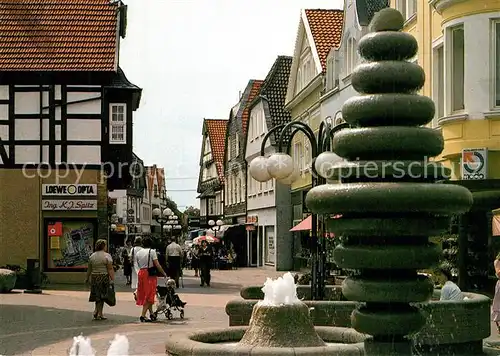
65 128
211 176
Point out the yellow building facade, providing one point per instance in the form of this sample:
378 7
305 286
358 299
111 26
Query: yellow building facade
459 50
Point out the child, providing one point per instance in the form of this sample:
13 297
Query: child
172 298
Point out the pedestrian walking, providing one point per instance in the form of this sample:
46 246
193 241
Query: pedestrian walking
126 261
495 309
135 268
101 276
195 259
174 255
206 259
149 270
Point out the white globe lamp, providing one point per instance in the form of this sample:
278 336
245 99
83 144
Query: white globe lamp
258 169
156 212
280 165
113 226
167 212
291 178
211 222
178 227
219 222
167 227
325 163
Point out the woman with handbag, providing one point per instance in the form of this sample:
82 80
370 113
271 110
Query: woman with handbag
150 269
101 276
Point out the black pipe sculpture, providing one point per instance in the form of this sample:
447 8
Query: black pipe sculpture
389 194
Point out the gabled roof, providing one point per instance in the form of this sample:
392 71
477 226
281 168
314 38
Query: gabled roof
59 35
273 91
250 93
322 29
153 172
326 30
216 130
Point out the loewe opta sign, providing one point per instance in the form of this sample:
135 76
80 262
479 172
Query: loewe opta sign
69 189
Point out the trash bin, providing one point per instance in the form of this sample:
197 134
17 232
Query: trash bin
33 275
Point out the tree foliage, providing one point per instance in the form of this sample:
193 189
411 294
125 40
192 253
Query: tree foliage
192 211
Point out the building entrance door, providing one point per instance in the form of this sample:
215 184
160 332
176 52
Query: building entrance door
252 248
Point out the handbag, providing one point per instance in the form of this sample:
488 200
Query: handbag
110 296
152 271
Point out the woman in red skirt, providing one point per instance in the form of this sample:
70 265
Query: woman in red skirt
146 284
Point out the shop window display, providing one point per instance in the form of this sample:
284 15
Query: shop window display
69 243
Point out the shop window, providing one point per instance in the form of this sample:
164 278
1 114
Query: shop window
269 250
69 243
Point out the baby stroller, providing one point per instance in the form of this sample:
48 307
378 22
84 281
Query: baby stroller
168 300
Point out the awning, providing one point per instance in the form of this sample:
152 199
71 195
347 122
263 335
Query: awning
304 225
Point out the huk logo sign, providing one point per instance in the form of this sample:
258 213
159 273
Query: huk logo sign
69 189
474 164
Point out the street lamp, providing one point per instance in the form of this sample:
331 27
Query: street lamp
280 166
215 226
167 220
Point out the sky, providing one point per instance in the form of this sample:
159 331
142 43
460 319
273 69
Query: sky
192 58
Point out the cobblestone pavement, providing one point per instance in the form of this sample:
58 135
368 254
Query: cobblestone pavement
45 324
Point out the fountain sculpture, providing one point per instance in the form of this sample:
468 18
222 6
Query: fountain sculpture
82 346
389 200
280 324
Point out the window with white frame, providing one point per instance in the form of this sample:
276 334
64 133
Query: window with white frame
264 123
237 189
242 187
438 82
251 124
228 148
351 56
298 81
306 159
457 83
407 7
211 206
496 57
297 155
237 149
118 123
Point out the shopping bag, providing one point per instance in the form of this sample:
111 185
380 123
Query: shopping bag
111 296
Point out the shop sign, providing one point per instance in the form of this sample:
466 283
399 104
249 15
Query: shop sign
69 189
73 205
252 219
474 164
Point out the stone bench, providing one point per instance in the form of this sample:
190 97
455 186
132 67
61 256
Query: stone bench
452 327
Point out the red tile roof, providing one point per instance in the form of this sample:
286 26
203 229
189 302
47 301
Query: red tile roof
326 28
58 35
254 91
217 135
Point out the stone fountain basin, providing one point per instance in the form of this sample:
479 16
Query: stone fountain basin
214 343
